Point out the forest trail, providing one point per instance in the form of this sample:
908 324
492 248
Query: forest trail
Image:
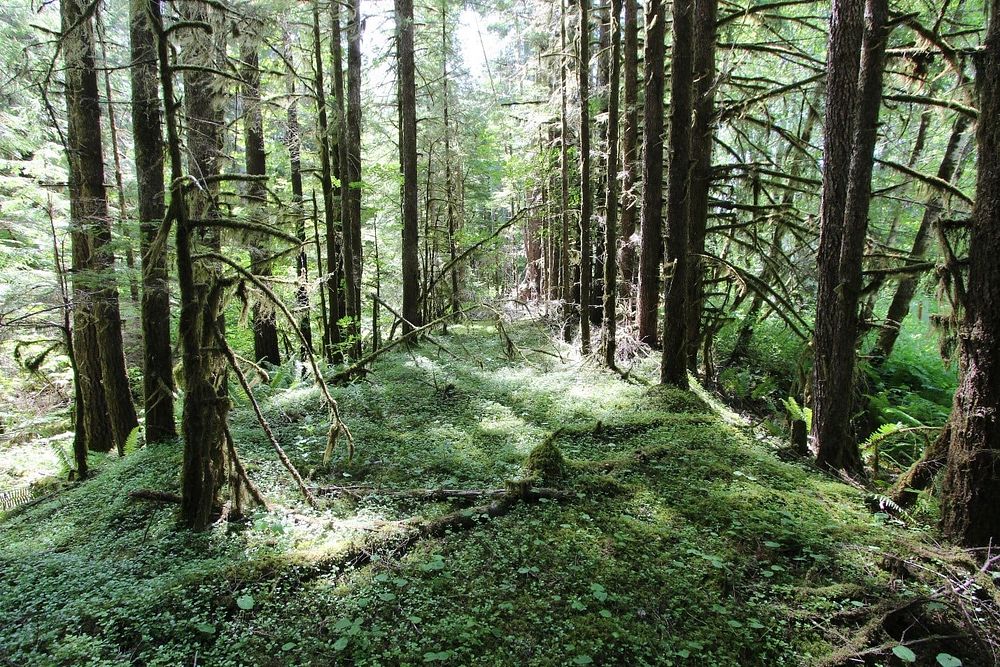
687 542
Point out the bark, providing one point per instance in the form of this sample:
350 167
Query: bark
630 154
971 488
350 160
586 196
854 87
147 133
333 256
265 330
206 405
702 141
673 369
933 209
651 249
108 413
293 140
408 160
534 258
611 201
566 272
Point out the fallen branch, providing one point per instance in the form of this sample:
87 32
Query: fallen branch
285 461
441 494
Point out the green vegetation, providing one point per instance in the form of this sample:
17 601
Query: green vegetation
687 542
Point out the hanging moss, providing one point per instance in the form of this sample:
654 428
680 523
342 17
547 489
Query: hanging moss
545 462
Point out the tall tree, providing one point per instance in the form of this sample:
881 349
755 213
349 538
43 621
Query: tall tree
586 196
611 200
630 145
352 171
109 414
147 133
202 293
971 489
326 151
265 330
853 98
407 101
651 250
899 307
673 369
702 143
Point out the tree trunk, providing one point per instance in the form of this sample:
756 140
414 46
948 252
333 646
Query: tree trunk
265 330
651 250
566 269
350 161
611 201
205 466
408 159
586 197
675 298
293 141
333 250
109 415
702 142
907 287
630 155
854 89
147 133
971 489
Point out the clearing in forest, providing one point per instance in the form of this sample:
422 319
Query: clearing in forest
677 537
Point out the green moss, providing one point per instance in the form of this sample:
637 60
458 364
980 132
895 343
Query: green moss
546 462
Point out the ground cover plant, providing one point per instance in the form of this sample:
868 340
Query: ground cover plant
684 539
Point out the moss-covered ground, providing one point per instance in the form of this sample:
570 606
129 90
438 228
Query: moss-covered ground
689 542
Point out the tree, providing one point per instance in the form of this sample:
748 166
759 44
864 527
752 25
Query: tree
194 212
106 402
630 144
611 201
586 197
971 488
407 103
702 143
673 369
334 258
651 249
853 93
147 133
265 330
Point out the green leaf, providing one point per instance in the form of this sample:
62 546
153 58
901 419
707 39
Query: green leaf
288 646
948 660
904 654
245 602
582 659
207 628
341 644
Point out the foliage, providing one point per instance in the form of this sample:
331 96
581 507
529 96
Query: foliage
678 511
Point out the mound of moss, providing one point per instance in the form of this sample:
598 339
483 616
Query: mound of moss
546 462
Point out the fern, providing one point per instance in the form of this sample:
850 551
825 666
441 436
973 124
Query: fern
64 458
880 434
885 503
132 442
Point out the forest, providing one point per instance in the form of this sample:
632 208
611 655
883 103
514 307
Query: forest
510 332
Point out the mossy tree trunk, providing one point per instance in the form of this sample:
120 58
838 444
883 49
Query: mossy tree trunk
147 132
971 489
105 399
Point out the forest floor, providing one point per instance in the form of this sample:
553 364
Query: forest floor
685 539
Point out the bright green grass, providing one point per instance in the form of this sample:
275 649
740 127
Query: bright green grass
704 550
